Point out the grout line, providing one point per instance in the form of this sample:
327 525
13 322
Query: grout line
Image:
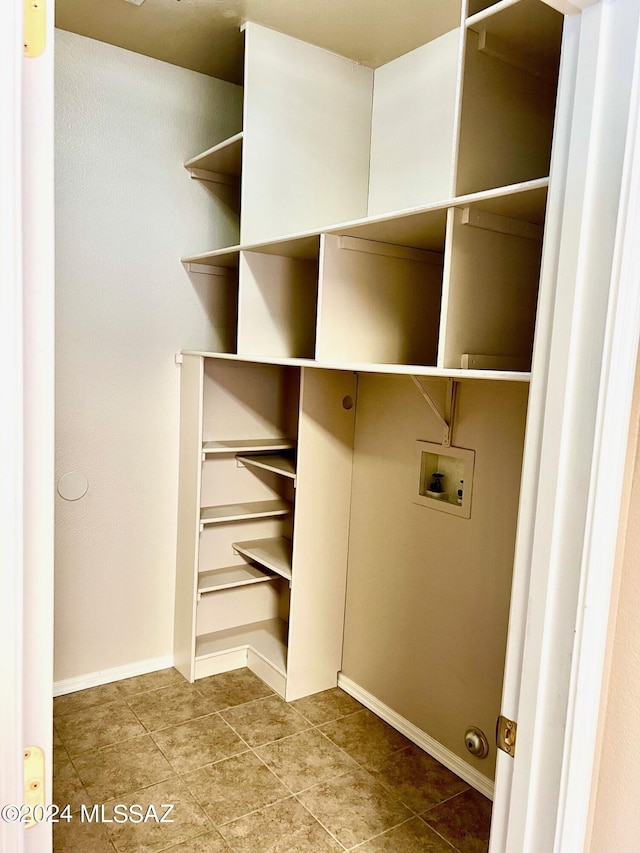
414 813
237 733
280 739
317 820
380 834
447 800
274 774
439 834
240 704
255 811
89 708
324 782
176 844
250 702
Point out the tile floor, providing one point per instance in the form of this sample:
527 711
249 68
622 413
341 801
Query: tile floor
247 772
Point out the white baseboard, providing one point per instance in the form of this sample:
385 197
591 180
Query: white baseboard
435 749
106 676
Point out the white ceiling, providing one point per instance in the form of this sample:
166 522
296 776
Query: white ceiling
204 34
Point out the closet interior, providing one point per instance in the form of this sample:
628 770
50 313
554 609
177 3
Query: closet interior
381 297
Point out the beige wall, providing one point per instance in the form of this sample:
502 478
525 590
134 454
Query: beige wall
126 210
428 593
615 814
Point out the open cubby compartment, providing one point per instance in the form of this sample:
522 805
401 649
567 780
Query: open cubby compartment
221 161
244 626
307 124
218 541
217 170
508 95
413 125
216 286
228 481
247 404
491 288
378 302
278 294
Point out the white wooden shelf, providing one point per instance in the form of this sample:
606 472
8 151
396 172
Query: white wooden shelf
224 158
252 445
367 367
420 227
268 639
277 463
243 511
229 577
274 554
226 257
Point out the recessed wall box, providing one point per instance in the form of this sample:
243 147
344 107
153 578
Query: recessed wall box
444 478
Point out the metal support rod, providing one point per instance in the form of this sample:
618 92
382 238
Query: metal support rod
445 419
450 409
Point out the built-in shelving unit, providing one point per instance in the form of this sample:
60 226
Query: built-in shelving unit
241 427
445 287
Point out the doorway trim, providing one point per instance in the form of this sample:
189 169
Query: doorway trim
583 378
11 419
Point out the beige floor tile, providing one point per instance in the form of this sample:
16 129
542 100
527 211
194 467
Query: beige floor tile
365 737
354 807
265 720
56 737
412 837
78 837
67 785
305 759
114 770
233 688
210 842
416 778
188 819
150 681
83 699
198 742
285 827
169 706
234 787
98 726
464 820
327 706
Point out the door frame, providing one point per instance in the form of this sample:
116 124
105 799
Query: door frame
11 420
26 415
578 423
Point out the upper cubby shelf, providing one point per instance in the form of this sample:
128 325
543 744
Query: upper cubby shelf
511 61
525 34
223 159
368 367
367 295
418 227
